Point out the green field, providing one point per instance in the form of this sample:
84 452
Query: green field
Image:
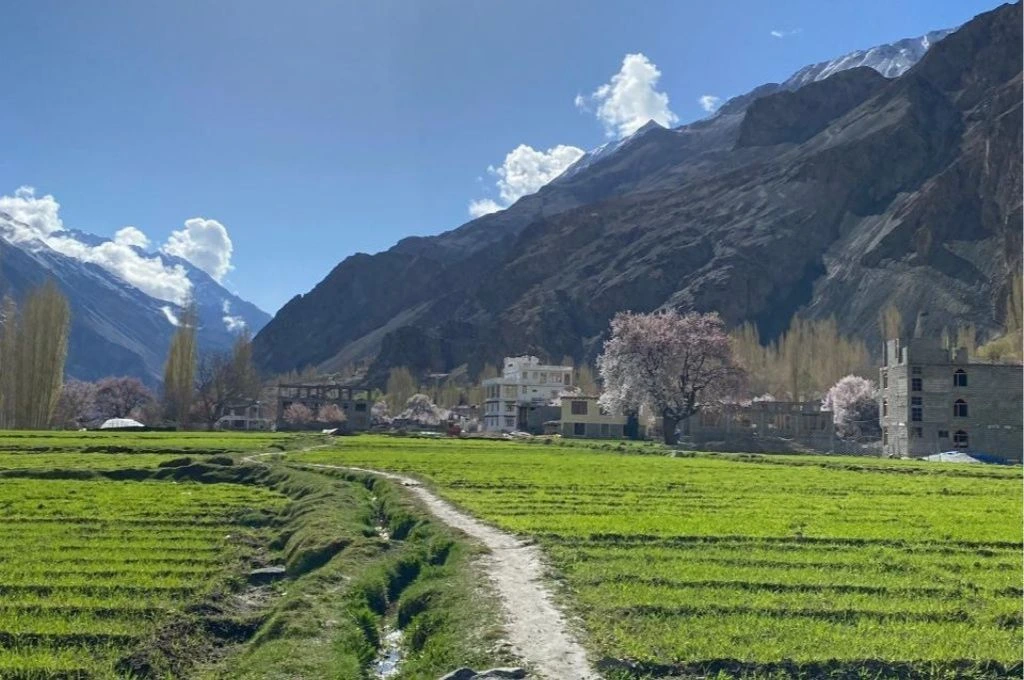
751 563
90 569
125 555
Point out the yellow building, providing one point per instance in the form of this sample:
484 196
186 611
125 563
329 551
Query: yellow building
583 417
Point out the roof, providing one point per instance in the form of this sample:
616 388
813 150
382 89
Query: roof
951 457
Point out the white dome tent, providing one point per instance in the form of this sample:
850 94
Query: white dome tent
121 424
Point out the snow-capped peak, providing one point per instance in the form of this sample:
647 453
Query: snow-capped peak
892 60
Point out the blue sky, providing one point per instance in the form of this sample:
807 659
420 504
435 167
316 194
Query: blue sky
314 130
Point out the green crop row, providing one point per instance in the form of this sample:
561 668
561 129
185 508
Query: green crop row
686 561
89 568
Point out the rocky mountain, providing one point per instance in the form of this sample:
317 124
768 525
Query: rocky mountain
835 193
116 328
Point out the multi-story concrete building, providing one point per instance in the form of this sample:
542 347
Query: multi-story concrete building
934 399
524 383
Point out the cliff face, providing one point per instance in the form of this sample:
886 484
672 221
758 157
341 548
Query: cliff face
837 199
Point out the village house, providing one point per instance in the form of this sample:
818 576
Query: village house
800 421
353 400
583 417
516 398
934 399
246 415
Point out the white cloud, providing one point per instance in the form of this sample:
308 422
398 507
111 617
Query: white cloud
131 236
38 221
630 99
709 102
779 33
205 243
524 171
483 206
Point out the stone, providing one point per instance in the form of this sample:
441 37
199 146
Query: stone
460 674
502 674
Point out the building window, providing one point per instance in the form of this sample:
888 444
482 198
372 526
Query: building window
915 401
579 408
361 406
943 434
915 414
510 421
915 370
510 408
959 408
579 429
960 378
606 430
566 379
916 432
885 436
915 385
885 379
960 439
885 407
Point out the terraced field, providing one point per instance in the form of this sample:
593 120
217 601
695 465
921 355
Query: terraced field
89 569
752 564
92 568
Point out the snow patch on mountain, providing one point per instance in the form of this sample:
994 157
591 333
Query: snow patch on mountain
892 60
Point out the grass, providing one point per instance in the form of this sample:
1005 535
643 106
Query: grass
748 564
124 554
89 569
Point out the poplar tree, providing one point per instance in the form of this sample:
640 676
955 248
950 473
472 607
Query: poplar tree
42 351
180 369
8 362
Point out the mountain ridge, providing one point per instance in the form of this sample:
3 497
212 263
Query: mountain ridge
694 218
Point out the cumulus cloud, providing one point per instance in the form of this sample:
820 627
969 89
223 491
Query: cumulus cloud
36 219
630 99
131 236
780 33
205 243
709 102
483 206
524 171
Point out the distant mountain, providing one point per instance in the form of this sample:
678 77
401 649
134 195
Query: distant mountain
834 193
117 329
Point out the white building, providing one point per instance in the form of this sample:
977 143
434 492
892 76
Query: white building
524 382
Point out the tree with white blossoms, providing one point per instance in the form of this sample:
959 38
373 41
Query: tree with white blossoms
854 405
677 364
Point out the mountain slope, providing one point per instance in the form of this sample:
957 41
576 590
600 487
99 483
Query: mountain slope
835 198
116 329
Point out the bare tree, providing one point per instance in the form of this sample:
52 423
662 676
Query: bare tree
121 397
401 385
180 369
675 363
40 349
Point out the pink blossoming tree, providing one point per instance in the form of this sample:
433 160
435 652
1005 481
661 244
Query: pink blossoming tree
674 363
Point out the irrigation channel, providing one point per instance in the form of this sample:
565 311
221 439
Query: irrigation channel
536 628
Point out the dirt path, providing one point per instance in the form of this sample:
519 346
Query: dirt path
536 628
